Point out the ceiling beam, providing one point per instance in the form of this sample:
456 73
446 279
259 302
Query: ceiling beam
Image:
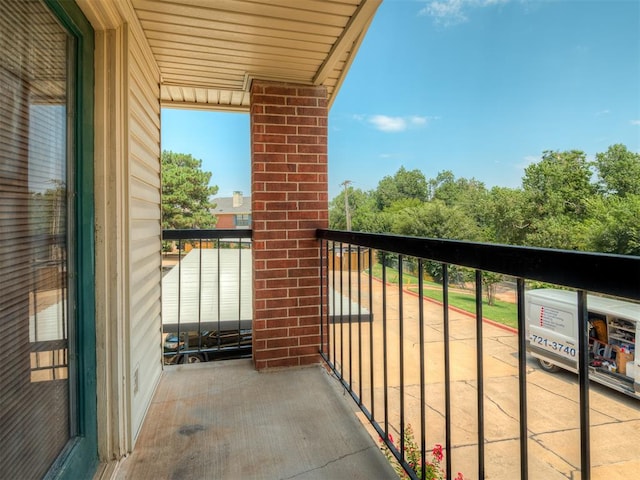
348 39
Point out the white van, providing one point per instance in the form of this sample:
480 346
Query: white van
614 325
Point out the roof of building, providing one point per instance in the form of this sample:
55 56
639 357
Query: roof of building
230 205
216 293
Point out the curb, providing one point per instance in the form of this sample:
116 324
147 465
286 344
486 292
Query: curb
455 309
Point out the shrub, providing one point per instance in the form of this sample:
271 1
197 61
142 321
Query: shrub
432 469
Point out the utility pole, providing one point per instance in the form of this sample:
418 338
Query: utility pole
347 212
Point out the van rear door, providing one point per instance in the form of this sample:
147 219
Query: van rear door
552 328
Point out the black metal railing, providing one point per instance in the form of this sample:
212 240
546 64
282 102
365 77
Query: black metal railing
206 295
383 323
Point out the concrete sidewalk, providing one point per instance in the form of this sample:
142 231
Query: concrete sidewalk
224 420
552 398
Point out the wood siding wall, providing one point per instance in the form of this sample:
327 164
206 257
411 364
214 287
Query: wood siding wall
128 228
144 263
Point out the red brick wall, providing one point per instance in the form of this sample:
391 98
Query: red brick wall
226 220
289 200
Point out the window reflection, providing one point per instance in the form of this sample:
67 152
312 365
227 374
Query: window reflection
35 114
48 300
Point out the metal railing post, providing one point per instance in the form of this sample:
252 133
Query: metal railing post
578 270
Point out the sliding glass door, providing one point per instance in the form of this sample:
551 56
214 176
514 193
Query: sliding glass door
42 398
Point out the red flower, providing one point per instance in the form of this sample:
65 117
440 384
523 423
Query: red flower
437 452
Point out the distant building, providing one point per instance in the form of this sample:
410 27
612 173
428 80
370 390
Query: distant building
233 212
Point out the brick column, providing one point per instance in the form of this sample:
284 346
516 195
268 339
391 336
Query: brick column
289 201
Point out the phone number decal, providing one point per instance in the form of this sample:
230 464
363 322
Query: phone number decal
561 348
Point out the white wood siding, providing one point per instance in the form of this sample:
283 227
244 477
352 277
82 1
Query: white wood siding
144 260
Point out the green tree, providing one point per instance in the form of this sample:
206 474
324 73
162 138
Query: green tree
490 281
186 193
337 215
404 184
558 231
557 192
362 206
559 184
506 219
469 195
441 185
435 220
456 191
613 226
619 171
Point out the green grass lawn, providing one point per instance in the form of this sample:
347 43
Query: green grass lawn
502 312
392 276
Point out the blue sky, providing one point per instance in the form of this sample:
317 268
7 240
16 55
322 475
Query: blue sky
478 87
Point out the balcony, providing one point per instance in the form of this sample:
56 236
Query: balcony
453 377
226 420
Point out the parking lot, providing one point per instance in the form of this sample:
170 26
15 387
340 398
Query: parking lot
552 399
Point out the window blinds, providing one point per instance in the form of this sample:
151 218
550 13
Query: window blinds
35 399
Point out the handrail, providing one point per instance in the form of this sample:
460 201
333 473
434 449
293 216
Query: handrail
617 275
613 275
208 234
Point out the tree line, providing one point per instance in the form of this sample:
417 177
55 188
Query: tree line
565 201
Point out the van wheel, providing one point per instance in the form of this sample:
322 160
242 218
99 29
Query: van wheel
548 366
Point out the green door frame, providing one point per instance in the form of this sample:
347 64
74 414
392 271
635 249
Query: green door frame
80 458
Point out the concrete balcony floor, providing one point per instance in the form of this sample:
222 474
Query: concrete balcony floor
225 420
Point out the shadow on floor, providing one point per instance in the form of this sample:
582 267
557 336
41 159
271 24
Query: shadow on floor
225 420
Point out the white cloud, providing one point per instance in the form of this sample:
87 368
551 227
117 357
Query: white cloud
386 123
447 12
453 12
602 113
635 122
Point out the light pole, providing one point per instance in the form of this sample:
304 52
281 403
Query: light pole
347 213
